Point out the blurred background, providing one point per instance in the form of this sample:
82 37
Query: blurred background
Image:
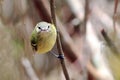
89 32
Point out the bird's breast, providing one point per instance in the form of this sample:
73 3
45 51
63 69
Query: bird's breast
46 43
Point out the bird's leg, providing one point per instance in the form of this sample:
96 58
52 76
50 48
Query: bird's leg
59 56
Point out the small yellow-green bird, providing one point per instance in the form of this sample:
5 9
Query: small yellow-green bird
43 37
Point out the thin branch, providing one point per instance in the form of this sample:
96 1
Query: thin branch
59 47
86 16
42 9
29 70
109 42
114 16
84 29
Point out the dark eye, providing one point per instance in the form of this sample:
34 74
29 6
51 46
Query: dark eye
48 26
39 27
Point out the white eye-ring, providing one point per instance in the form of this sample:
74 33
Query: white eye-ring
38 29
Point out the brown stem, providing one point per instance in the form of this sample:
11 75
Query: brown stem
114 16
42 9
59 47
109 42
86 16
85 72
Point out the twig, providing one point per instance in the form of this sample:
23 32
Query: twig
114 16
101 71
83 30
86 16
105 19
29 70
42 9
59 47
109 42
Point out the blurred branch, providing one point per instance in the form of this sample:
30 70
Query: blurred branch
99 70
77 8
86 17
109 42
59 47
114 15
83 32
92 39
105 19
43 10
28 68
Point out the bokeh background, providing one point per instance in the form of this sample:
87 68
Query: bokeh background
89 54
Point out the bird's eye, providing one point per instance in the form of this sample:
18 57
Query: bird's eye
39 27
48 26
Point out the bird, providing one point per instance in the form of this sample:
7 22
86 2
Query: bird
43 37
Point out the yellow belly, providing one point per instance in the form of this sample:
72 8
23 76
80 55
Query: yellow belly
46 42
46 45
